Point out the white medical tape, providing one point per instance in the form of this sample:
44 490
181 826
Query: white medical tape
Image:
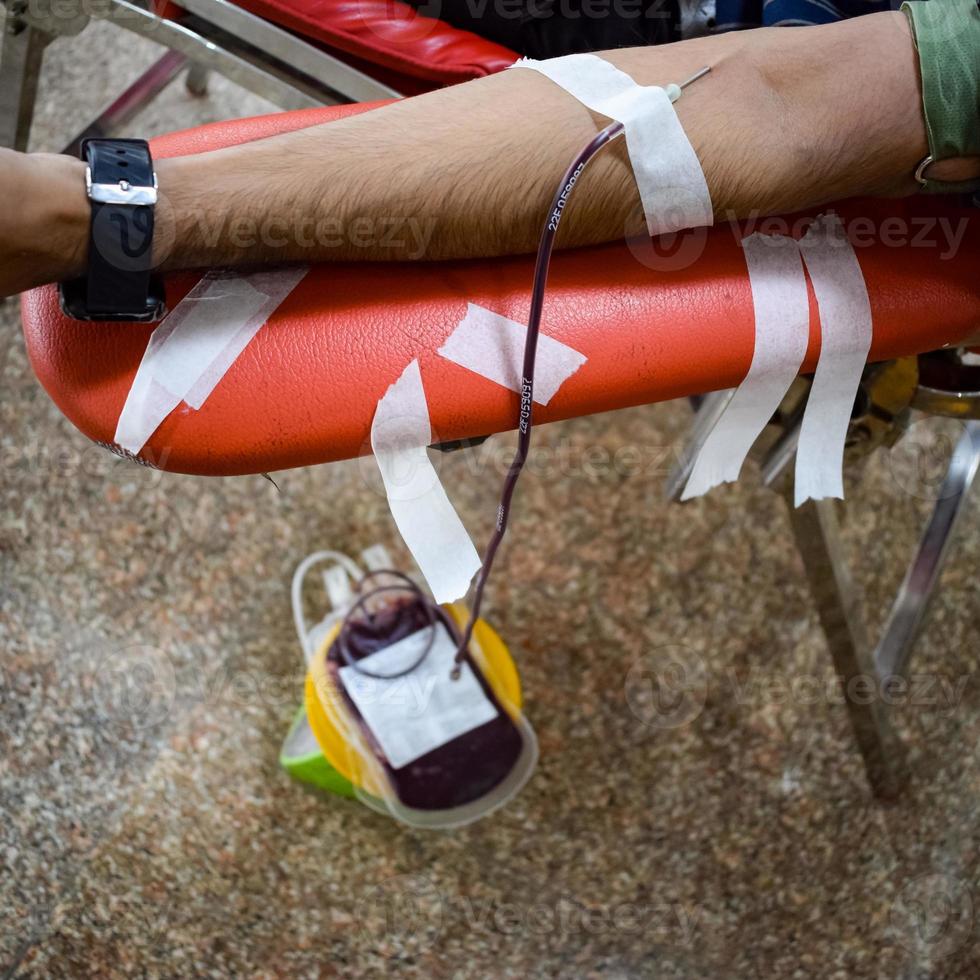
492 346
427 521
336 580
376 558
668 173
845 339
782 331
195 345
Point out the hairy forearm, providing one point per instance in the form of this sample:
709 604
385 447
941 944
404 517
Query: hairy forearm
786 119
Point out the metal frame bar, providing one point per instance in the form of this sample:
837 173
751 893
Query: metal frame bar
707 411
915 594
818 540
817 536
218 36
287 48
230 58
20 68
197 79
143 91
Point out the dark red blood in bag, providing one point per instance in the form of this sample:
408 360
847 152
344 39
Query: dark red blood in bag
463 769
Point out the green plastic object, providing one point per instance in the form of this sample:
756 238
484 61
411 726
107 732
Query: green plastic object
302 759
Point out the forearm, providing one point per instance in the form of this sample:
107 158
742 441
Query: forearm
786 119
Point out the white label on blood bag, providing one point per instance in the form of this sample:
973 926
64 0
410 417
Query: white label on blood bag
422 710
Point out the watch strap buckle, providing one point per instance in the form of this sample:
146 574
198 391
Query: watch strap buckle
123 192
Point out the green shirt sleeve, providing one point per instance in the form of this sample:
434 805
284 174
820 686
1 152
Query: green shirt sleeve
947 36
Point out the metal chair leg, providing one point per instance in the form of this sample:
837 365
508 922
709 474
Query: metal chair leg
865 671
816 532
817 538
708 409
197 79
20 68
916 591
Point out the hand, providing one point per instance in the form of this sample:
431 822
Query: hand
44 218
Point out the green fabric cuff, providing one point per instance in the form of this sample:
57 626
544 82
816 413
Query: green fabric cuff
947 36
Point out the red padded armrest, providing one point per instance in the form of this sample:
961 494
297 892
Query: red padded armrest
389 34
305 390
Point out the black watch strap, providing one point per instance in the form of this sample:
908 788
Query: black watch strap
118 284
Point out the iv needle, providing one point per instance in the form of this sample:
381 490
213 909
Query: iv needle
698 74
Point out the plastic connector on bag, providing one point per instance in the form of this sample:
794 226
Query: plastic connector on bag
430 751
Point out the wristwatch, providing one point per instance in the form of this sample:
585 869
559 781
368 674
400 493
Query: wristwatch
118 284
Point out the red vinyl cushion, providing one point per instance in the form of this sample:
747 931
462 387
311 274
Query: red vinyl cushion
390 35
305 390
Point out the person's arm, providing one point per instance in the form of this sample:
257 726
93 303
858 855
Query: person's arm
786 119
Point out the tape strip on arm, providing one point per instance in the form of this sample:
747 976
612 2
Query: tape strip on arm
667 171
845 339
782 325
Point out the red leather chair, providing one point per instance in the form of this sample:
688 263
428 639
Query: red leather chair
388 40
305 389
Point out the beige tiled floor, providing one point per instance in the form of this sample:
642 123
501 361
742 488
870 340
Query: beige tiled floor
147 831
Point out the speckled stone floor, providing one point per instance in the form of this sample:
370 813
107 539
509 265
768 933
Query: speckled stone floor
146 830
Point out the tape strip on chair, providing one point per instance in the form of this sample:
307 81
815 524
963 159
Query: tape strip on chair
195 345
667 170
782 327
845 339
427 521
492 346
